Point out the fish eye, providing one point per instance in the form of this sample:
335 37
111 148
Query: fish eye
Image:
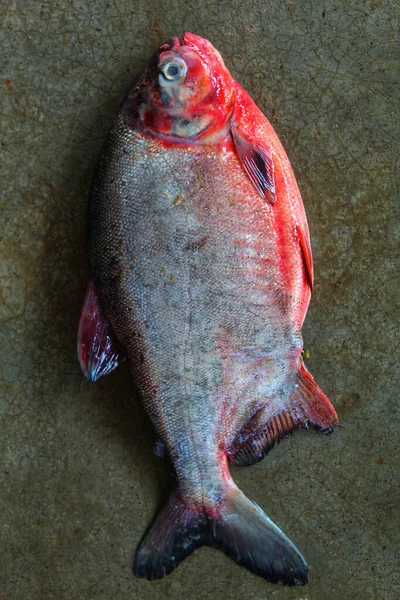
173 69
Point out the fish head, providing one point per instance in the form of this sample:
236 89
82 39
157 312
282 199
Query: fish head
186 93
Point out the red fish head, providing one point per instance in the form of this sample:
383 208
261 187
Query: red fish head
184 94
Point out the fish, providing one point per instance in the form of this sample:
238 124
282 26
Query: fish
200 276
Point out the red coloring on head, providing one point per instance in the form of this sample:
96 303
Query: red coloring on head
196 108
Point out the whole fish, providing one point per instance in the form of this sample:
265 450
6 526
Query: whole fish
201 275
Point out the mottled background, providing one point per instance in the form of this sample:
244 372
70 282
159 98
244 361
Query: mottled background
80 481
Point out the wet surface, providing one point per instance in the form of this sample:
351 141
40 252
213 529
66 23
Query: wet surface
80 480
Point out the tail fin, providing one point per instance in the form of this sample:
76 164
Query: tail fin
237 526
177 531
249 537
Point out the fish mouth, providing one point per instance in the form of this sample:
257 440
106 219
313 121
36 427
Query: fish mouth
189 39
196 42
170 44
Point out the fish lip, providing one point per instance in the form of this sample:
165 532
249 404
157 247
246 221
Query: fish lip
190 40
171 44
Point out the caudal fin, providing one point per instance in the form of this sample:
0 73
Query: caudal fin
237 526
175 533
249 537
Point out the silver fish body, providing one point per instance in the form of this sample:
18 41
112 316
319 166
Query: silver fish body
201 275
177 263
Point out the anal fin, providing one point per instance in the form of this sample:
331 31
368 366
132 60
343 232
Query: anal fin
307 405
97 352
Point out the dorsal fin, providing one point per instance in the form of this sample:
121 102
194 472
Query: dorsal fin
306 255
257 162
307 405
97 352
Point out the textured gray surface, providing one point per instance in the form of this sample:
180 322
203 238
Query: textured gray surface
80 482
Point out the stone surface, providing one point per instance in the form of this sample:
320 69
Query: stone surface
80 483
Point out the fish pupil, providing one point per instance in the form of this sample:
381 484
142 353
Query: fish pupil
172 71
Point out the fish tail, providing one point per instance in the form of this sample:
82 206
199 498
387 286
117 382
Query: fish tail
176 532
245 533
237 526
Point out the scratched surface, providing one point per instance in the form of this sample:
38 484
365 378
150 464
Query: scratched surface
80 483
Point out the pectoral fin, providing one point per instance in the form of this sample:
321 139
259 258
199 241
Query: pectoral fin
257 162
97 352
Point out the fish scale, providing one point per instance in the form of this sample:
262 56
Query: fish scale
201 275
190 337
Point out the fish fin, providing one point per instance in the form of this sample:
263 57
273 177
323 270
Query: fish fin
245 533
159 449
306 255
97 352
237 526
176 532
307 405
257 162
